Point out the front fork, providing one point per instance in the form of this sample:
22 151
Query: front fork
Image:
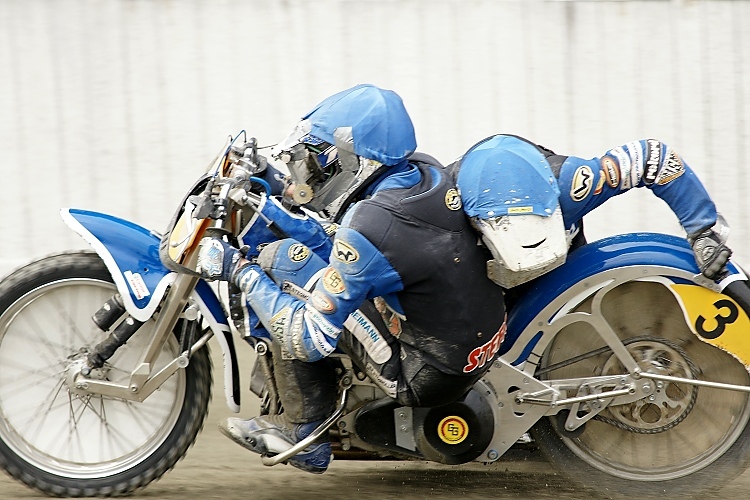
81 374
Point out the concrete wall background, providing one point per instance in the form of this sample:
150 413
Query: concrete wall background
117 105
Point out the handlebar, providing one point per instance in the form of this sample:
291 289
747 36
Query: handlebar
236 180
215 204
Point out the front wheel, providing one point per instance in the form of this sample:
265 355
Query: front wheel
682 440
65 443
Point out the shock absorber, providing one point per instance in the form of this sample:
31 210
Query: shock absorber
107 347
104 318
110 312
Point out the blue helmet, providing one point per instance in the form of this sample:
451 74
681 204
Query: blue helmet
345 142
511 195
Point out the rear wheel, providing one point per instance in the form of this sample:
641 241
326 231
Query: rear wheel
66 443
683 440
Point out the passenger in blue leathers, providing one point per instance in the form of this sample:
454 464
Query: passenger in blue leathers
403 287
528 202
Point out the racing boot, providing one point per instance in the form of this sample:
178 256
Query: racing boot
272 434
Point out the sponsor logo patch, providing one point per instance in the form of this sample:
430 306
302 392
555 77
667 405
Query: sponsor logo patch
319 331
345 252
278 325
452 199
653 160
599 184
368 335
628 169
635 153
332 281
320 324
278 322
611 171
453 429
583 181
389 386
248 278
672 169
322 303
391 319
520 210
137 284
479 356
298 252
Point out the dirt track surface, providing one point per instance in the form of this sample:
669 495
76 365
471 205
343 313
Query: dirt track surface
217 468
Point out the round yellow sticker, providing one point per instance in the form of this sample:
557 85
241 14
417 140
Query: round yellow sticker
453 199
332 281
298 252
453 429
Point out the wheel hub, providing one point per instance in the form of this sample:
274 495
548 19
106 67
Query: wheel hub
78 372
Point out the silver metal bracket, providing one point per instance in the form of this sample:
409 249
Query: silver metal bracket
403 423
317 433
501 386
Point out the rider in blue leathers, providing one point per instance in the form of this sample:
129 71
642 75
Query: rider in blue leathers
403 290
402 287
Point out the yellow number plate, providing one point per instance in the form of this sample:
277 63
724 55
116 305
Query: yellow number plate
717 319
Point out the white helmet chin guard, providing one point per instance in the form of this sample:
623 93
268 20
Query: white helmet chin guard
512 197
523 247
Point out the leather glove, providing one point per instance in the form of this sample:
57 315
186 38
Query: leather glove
218 260
711 254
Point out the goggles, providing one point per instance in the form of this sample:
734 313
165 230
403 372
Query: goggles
324 176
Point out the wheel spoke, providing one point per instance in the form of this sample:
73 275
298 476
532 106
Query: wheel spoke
20 384
35 413
36 337
73 335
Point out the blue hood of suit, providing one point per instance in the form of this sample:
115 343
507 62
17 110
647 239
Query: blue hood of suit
372 119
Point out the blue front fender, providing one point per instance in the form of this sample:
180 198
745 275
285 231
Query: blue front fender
131 254
626 250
